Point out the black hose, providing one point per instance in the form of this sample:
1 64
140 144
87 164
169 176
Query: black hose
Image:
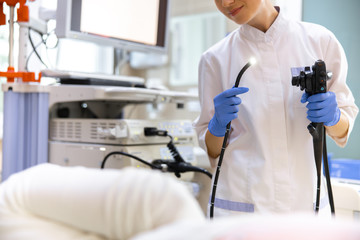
228 126
327 176
128 155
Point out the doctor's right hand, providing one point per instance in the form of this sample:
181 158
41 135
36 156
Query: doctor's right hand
226 108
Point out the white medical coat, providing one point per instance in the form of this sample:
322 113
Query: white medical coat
269 162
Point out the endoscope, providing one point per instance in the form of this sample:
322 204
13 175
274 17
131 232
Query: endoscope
313 80
228 126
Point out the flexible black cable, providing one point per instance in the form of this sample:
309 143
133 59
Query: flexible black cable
174 152
327 176
28 58
180 167
35 51
228 126
238 78
180 163
201 170
43 41
318 186
177 166
131 156
318 132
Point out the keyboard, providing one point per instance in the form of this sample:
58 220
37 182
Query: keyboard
72 77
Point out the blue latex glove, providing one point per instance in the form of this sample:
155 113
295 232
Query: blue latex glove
226 108
322 107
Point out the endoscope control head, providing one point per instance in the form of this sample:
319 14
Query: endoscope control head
312 80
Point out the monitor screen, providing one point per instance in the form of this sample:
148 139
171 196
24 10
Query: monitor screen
132 25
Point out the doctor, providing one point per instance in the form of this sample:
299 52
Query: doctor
269 164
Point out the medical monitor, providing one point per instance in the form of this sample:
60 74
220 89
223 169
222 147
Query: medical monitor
140 25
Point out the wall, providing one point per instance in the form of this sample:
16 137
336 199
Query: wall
342 18
190 7
180 8
291 9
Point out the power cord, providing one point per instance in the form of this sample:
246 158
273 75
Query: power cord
34 48
176 166
131 156
44 39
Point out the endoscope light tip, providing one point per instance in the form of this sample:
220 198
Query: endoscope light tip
252 61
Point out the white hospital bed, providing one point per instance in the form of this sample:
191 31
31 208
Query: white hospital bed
66 203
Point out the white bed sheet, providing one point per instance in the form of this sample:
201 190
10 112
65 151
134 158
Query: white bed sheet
257 227
83 203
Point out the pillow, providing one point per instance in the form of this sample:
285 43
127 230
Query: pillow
105 203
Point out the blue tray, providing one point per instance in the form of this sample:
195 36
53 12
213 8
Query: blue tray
345 168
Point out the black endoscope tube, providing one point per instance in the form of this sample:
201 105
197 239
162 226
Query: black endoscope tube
317 132
327 175
228 126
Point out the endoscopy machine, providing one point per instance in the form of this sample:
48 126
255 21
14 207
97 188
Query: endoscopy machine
88 122
84 132
85 142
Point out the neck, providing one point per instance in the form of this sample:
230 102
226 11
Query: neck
264 18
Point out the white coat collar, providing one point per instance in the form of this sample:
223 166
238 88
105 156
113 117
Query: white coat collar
255 35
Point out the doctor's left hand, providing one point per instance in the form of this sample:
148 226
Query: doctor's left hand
322 107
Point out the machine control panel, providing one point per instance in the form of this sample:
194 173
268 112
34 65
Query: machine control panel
119 132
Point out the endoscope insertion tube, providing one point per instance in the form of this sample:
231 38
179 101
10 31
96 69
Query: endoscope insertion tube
252 61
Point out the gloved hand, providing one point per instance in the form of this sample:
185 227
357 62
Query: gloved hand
322 107
226 108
